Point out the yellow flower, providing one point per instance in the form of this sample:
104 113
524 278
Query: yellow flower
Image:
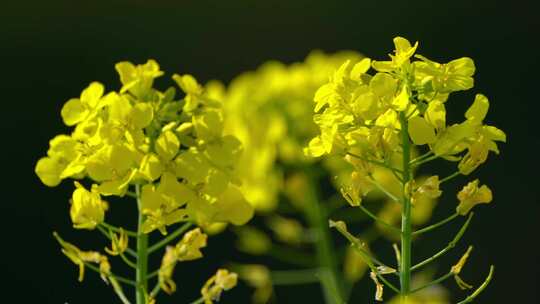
402 53
63 151
162 204
112 166
137 79
428 189
358 185
230 207
189 248
223 280
472 135
77 110
455 75
421 131
192 88
87 208
471 195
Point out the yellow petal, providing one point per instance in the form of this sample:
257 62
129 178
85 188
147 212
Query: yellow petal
73 112
167 145
478 110
48 170
421 131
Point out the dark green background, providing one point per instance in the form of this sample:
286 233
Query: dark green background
50 50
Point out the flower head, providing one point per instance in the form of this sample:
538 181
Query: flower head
223 280
472 195
87 208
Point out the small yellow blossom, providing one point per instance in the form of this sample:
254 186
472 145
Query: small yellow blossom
223 280
428 189
138 79
77 110
192 88
472 195
402 53
189 248
87 208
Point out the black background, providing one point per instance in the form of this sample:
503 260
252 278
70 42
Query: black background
50 50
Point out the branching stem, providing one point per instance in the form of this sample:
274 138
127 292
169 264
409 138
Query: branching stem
142 254
436 225
450 245
406 224
379 220
169 238
481 288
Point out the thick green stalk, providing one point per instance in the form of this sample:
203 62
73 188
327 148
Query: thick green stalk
406 225
316 214
142 255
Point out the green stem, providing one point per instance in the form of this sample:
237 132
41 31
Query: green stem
117 230
119 291
470 298
431 227
437 281
449 177
118 278
142 255
375 162
169 238
450 245
359 247
421 157
317 217
406 224
154 273
131 194
155 290
378 220
425 160
383 190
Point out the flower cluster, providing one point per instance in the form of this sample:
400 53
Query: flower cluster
215 155
170 154
379 120
269 111
139 135
360 112
361 115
